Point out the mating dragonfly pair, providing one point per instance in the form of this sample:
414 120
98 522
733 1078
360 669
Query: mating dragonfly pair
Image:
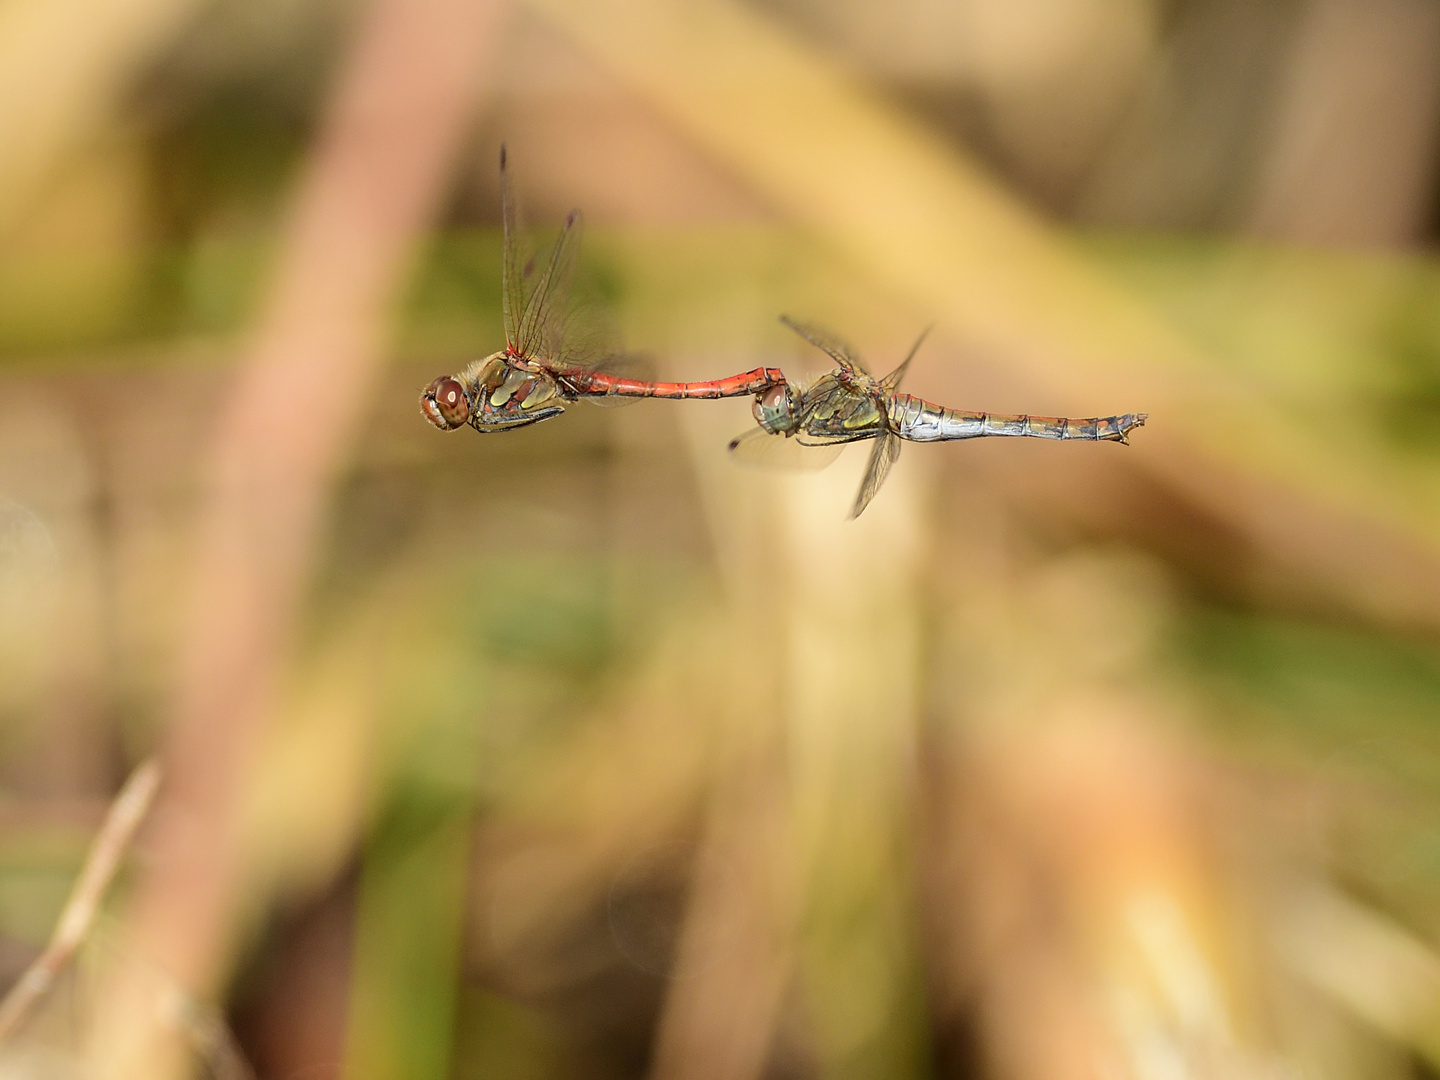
536 375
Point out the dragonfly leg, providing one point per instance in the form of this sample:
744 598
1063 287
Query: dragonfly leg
490 427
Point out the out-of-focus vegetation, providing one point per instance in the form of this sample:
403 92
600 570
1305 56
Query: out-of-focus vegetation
589 753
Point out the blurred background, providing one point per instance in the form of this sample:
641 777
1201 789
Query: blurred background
583 752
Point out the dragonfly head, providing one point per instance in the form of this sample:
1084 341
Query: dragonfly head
777 410
445 403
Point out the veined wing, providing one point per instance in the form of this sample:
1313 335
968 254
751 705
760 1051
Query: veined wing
512 286
533 299
542 321
759 448
882 457
583 333
839 350
891 382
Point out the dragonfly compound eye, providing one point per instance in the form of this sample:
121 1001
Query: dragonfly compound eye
774 410
445 403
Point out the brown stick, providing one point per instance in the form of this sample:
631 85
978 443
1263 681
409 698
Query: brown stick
113 840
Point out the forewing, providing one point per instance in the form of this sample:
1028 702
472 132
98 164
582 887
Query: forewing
891 382
512 287
882 457
837 347
542 320
758 448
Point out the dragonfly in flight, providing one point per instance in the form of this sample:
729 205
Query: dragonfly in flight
538 372
847 404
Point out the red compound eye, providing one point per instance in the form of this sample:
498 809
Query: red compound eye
774 397
445 403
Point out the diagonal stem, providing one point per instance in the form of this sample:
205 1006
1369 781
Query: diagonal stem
106 853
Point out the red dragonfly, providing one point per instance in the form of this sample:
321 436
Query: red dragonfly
537 373
848 404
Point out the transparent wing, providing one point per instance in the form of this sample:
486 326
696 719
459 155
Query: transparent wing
584 335
542 322
891 382
837 347
512 288
882 457
758 448
533 298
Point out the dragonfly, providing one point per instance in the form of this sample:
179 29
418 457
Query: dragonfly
847 404
538 372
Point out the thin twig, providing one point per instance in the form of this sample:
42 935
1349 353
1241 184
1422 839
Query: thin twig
126 813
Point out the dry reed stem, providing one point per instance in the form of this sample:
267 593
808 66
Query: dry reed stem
109 848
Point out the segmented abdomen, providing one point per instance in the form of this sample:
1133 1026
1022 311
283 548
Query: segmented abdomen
923 421
602 384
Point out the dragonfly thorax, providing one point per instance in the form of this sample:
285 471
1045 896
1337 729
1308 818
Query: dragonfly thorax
491 394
